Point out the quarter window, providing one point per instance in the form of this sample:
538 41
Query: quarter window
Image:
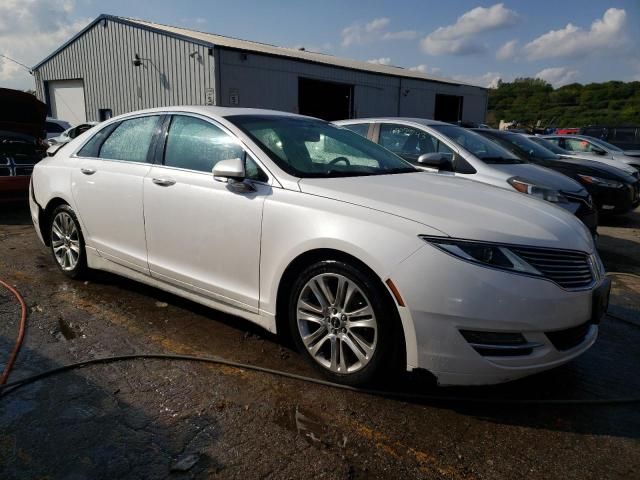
130 140
409 142
194 144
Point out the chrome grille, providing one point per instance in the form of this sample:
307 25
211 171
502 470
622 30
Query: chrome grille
570 270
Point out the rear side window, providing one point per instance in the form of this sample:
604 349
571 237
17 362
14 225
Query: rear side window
194 144
130 140
359 128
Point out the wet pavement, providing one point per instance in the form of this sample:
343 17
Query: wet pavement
168 419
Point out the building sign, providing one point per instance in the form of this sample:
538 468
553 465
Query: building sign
234 96
209 96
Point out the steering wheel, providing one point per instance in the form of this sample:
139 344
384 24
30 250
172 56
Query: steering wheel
340 159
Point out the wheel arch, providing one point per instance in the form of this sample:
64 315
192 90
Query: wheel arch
318 254
45 217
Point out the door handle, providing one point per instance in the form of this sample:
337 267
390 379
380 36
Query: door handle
88 171
163 182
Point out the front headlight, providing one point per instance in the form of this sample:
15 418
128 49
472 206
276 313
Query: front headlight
486 254
601 182
530 188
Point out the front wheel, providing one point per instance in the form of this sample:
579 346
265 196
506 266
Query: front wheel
343 321
67 242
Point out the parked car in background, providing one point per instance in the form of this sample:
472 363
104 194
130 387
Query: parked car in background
567 131
452 150
612 190
22 118
55 127
71 133
594 146
301 226
624 137
561 152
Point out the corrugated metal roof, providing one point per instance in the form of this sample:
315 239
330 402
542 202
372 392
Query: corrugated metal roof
249 46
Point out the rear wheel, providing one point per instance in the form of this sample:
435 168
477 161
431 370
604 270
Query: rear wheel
343 321
67 242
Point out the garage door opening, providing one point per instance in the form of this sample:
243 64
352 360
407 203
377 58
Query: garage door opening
448 108
66 101
326 100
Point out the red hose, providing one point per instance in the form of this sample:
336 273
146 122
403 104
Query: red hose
21 330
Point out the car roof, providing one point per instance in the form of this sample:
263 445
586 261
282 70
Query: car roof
216 111
424 121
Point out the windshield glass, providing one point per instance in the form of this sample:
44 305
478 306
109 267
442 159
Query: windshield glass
481 147
605 145
530 148
549 145
305 147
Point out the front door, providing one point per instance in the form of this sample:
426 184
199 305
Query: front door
204 235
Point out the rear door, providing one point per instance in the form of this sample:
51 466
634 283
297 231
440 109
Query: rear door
107 188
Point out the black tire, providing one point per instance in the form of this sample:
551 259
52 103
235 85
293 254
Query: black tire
388 356
79 270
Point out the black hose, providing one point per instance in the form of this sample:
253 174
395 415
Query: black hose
12 386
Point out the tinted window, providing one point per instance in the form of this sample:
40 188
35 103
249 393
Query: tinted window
92 147
312 148
409 142
525 145
52 127
195 144
359 128
130 140
548 145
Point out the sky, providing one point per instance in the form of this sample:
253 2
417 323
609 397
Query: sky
478 42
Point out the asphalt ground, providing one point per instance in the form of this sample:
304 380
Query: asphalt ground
152 419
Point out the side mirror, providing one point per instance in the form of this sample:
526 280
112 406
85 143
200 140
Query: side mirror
441 161
231 169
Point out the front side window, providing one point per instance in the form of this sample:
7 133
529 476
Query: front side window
306 147
576 145
131 139
409 142
195 144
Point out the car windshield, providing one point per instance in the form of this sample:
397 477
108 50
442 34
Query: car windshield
603 144
306 147
531 149
481 147
549 145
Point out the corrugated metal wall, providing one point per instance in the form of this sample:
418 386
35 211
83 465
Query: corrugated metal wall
267 82
170 75
102 57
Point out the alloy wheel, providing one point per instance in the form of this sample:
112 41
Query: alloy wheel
337 323
65 241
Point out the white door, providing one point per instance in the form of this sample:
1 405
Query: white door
67 101
107 186
204 235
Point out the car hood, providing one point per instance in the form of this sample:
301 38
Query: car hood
601 160
594 168
541 176
632 153
22 113
459 208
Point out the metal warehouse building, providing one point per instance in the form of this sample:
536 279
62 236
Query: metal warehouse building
116 65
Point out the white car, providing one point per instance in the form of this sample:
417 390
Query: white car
584 144
71 133
55 127
304 227
555 148
449 149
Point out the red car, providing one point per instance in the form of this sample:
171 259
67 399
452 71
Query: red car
22 144
567 131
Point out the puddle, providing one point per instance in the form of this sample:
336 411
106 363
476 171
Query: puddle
67 330
312 428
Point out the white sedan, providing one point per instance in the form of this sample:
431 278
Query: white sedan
311 230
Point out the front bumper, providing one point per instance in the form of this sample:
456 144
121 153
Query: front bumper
444 295
616 200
